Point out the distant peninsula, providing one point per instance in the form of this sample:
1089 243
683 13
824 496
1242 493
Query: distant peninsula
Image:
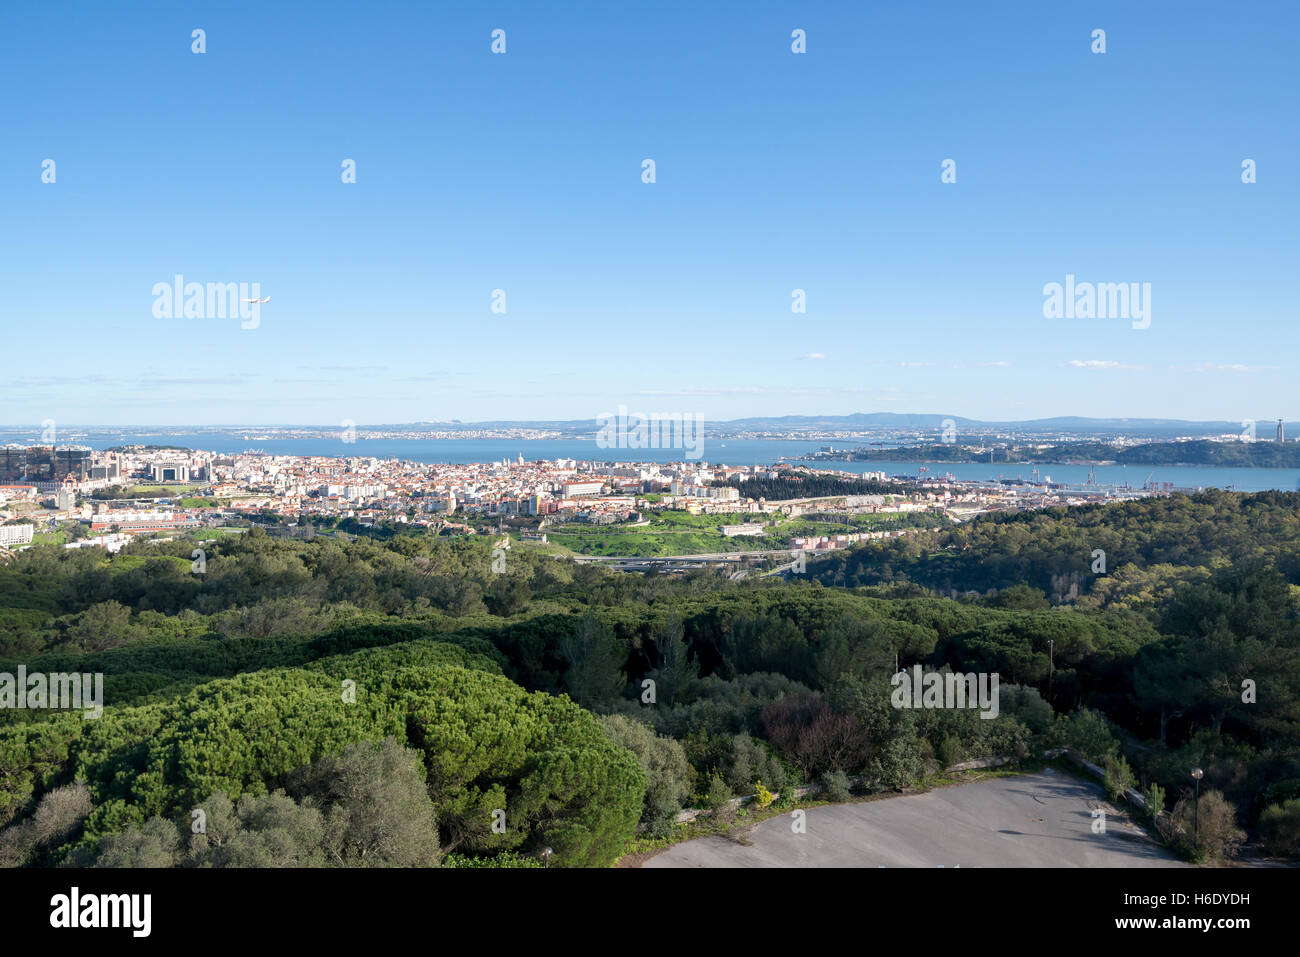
1193 452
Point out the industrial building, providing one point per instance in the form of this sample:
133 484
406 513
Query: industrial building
43 463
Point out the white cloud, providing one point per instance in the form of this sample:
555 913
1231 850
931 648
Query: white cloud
1101 364
1222 367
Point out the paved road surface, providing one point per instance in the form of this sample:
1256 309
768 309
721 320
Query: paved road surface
1028 820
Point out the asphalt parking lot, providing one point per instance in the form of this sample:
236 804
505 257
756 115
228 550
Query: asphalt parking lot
1030 820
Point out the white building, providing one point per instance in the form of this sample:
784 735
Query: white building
16 534
440 503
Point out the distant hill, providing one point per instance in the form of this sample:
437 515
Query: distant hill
1060 426
1192 452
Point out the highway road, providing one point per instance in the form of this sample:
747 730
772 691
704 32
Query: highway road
697 557
679 561
1029 820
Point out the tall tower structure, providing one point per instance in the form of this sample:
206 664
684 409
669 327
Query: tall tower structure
1281 433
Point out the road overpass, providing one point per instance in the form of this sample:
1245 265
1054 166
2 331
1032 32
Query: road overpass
679 562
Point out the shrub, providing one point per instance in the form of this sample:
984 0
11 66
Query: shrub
1155 798
815 738
376 810
366 807
901 761
1026 705
507 859
668 773
718 794
950 752
485 744
59 813
835 787
1279 828
750 761
266 831
1086 732
1119 776
155 843
1217 837
1281 791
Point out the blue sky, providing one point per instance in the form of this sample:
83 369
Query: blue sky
522 172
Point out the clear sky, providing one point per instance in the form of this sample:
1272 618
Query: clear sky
775 171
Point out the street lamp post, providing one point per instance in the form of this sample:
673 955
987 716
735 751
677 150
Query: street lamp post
1197 774
546 856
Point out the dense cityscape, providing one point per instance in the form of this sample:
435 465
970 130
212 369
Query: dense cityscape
105 497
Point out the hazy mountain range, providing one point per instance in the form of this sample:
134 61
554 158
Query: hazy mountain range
789 425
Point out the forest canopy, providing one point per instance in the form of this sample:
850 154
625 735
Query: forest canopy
584 702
